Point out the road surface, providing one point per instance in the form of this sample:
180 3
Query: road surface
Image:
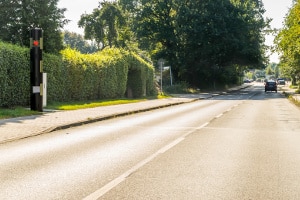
243 145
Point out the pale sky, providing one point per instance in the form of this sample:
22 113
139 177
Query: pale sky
275 9
75 8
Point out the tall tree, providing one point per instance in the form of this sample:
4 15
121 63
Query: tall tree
17 17
114 20
93 27
202 40
104 25
76 41
9 20
288 43
269 70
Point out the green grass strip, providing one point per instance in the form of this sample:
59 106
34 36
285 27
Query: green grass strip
16 112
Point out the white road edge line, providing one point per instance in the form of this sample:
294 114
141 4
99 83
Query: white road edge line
98 193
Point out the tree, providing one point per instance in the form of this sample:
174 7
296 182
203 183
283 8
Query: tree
93 27
104 25
269 70
288 42
76 41
204 41
114 20
9 25
17 17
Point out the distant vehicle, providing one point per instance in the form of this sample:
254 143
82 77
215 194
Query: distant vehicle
247 81
280 81
270 86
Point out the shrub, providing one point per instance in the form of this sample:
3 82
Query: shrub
14 75
73 76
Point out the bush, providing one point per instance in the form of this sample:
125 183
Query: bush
73 76
14 75
181 88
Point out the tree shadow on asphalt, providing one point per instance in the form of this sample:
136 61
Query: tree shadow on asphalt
19 120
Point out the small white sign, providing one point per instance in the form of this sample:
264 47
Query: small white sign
36 89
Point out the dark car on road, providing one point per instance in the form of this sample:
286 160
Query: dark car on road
270 86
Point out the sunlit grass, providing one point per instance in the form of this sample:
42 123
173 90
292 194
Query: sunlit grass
294 86
295 101
93 104
19 111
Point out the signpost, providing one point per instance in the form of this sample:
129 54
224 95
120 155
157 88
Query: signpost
169 68
161 64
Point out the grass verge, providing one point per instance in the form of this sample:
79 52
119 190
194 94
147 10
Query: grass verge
291 98
92 104
19 111
297 103
16 112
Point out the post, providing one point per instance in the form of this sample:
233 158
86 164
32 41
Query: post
36 69
161 75
44 89
171 76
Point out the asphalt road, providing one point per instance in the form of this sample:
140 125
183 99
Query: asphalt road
242 145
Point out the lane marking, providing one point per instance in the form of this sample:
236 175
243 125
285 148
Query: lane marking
106 188
220 115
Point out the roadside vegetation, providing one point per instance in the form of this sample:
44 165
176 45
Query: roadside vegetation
6 113
287 44
292 99
126 42
206 43
92 104
16 112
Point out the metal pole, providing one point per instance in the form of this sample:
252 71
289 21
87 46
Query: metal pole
161 66
171 75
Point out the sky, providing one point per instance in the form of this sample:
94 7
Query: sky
275 9
75 8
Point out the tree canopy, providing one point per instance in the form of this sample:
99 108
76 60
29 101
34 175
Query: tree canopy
76 41
204 40
17 17
104 25
288 43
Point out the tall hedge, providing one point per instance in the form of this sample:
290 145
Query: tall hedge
73 76
14 75
56 77
95 76
140 76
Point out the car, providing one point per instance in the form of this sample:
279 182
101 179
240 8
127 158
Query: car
270 86
280 81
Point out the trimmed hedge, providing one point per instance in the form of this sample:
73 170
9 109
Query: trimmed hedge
140 76
14 75
94 76
111 73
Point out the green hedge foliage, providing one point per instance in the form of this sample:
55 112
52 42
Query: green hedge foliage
14 75
111 73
